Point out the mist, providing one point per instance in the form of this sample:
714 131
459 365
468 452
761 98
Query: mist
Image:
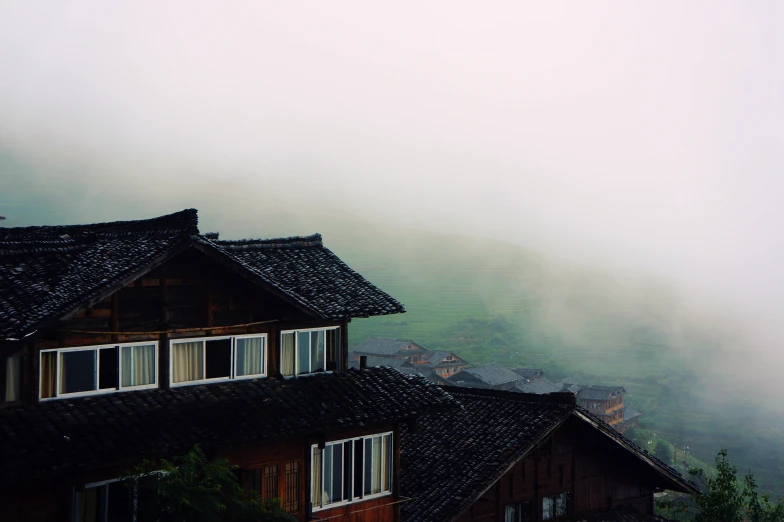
633 142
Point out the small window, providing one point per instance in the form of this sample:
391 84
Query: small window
223 358
292 491
270 490
306 351
13 378
97 369
554 507
108 502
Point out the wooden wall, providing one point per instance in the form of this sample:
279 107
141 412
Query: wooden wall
597 474
190 291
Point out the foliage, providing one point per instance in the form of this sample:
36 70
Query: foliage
663 452
191 488
725 499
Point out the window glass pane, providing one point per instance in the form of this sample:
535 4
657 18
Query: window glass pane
348 468
336 495
77 371
287 354
250 356
560 504
187 361
218 358
327 477
138 365
107 368
373 465
13 376
303 352
547 508
386 458
317 350
120 503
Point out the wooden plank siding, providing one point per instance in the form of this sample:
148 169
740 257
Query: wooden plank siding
574 460
191 291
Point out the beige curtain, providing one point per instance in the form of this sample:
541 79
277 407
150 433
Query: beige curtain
250 356
138 365
13 374
48 374
87 505
188 361
315 470
287 354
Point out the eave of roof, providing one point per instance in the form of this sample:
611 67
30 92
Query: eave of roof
63 436
670 474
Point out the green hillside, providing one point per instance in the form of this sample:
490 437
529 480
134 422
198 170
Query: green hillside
491 301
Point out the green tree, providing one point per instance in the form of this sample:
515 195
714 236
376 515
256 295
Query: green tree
191 488
724 498
663 452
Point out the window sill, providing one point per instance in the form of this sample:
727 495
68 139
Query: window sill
79 395
217 379
355 501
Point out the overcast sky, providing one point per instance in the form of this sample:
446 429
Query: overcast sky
641 134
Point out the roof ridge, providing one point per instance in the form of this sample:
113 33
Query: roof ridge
182 222
312 240
563 398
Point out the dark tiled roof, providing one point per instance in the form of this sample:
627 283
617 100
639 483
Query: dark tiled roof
630 414
528 373
539 386
61 436
381 346
599 393
491 374
49 272
392 362
453 457
310 274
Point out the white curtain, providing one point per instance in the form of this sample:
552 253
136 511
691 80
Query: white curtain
138 365
13 374
188 361
250 356
287 354
317 350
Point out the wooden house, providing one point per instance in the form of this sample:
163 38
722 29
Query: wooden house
514 457
140 339
606 402
392 351
492 376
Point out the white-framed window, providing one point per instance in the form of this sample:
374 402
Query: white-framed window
351 470
106 501
206 359
89 370
554 506
305 351
518 512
